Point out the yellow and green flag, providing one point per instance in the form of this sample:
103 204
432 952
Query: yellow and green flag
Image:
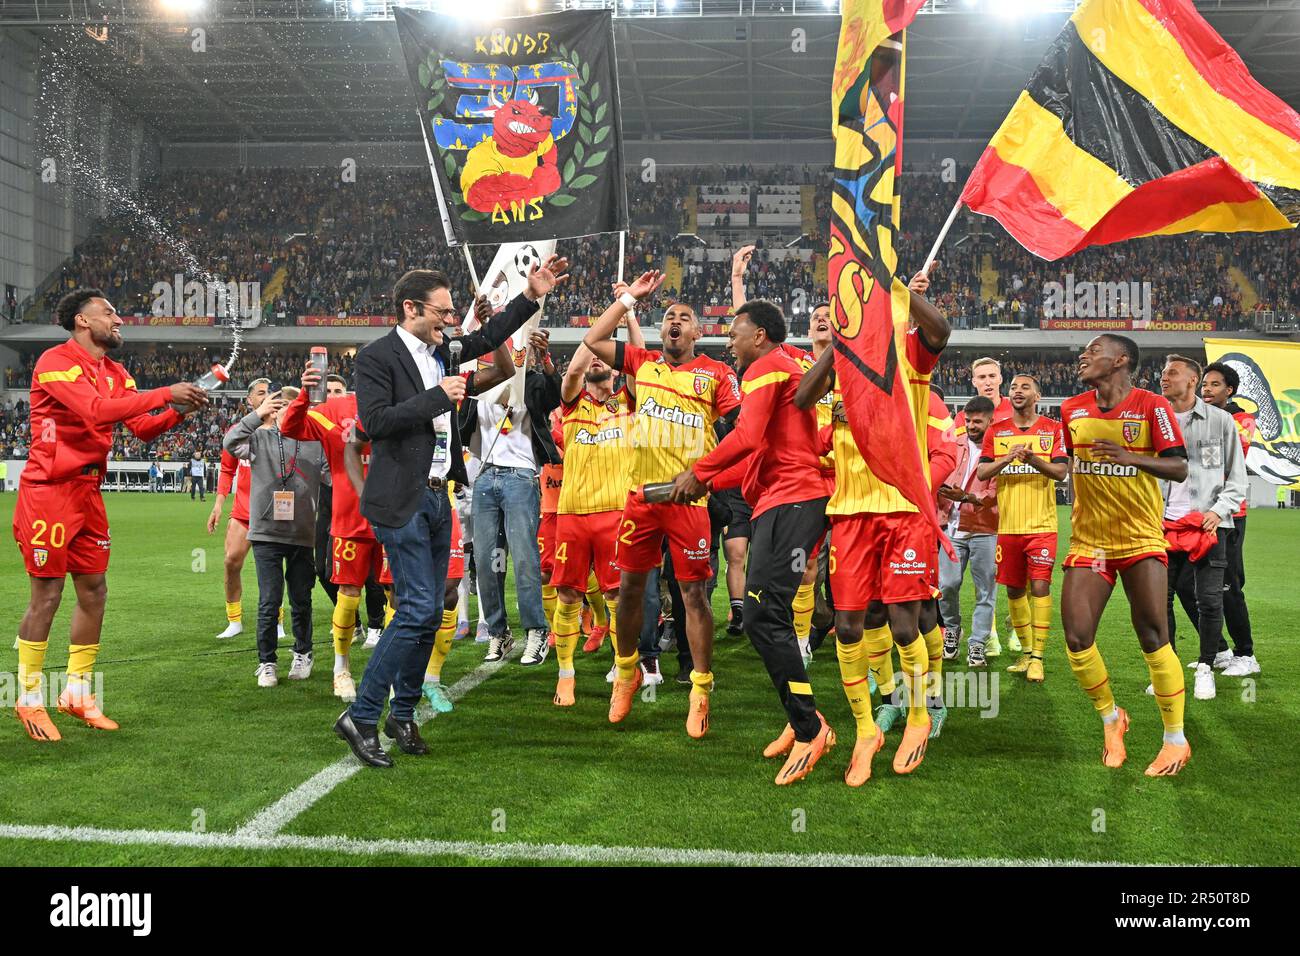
1270 393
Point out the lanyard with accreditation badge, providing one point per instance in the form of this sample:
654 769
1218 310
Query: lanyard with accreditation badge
282 498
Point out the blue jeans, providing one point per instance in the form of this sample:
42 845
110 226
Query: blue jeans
512 492
979 551
649 644
418 553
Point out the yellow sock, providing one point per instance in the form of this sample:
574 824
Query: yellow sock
441 647
596 601
854 665
1090 671
627 665
549 597
344 621
1041 614
568 632
914 661
31 664
81 661
1021 621
390 610
803 611
703 683
880 648
234 612
281 617
934 651
611 605
1167 679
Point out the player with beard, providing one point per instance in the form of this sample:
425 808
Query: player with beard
597 424
1122 441
1027 455
882 551
78 395
679 397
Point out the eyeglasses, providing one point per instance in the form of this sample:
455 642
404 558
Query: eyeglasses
440 314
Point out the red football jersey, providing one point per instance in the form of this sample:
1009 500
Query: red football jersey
332 423
235 473
76 400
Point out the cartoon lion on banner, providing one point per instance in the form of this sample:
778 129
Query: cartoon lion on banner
517 163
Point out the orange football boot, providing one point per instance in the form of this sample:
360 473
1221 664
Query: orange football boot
781 746
38 725
804 756
85 709
912 749
1113 753
620 701
859 771
1171 759
595 640
697 718
563 692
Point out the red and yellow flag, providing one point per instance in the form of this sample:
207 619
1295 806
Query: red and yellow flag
869 304
1140 121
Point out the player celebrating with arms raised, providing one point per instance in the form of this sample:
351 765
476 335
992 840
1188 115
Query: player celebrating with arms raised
1121 441
1026 454
78 394
680 395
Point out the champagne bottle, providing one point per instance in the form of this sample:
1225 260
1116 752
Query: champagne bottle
215 377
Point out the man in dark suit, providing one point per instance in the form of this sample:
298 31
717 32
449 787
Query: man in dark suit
407 393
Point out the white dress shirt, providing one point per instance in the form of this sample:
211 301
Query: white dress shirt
431 374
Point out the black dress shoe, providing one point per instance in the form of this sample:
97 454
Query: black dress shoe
363 739
407 735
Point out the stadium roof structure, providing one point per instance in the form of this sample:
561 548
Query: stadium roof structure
331 71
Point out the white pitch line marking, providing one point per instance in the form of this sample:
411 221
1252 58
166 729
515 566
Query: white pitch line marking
277 816
535 852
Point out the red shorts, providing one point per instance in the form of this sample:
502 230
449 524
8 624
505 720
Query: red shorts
584 542
385 570
61 528
881 557
355 559
1025 557
1109 568
641 532
456 562
546 542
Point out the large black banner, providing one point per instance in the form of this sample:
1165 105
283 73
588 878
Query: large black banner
521 118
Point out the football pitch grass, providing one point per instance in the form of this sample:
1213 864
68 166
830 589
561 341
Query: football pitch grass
208 769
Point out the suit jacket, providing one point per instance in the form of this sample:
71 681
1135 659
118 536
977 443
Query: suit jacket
975 519
397 414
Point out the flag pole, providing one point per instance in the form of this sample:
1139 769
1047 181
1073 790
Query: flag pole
473 275
943 234
622 241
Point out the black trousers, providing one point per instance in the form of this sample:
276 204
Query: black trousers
1235 613
324 565
781 539
1206 584
278 565
685 661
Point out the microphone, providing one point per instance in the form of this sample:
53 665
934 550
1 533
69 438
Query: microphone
453 353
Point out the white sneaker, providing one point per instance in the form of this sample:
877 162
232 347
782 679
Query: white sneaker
232 629
301 668
1204 683
1013 642
482 636
266 675
345 688
1221 660
613 675
1242 667
373 635
1151 690
499 647
535 647
651 675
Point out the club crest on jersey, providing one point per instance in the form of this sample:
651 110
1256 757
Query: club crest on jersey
611 406
109 379
1045 442
40 556
701 384
1131 431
